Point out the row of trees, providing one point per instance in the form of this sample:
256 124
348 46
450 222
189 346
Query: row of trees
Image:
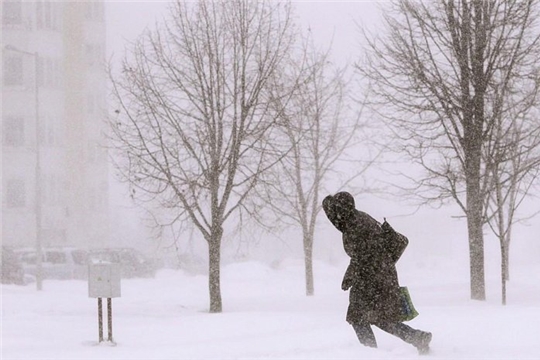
457 82
229 110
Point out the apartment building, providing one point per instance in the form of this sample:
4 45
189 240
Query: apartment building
54 162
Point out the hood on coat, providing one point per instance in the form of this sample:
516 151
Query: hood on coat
345 201
339 208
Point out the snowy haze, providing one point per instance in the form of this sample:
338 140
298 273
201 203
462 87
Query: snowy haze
332 23
266 313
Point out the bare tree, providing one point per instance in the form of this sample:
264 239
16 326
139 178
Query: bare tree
320 127
513 159
443 72
196 119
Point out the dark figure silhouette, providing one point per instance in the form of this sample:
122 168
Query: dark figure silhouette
374 297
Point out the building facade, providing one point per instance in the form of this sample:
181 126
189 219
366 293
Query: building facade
54 158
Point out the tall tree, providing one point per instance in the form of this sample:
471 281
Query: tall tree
196 114
443 71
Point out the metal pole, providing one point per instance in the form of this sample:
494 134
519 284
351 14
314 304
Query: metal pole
39 250
100 319
109 318
37 203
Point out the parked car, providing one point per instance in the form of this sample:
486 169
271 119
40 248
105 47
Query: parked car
132 262
57 263
12 268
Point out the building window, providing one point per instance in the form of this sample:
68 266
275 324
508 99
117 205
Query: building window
13 70
39 15
52 190
13 131
59 74
12 12
94 11
48 15
50 72
16 193
49 131
41 71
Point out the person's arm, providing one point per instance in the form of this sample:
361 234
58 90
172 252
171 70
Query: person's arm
395 242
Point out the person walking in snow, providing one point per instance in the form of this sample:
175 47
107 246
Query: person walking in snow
371 277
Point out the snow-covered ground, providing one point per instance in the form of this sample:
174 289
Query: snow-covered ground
267 316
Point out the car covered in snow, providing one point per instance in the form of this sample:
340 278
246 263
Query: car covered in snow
132 262
12 268
61 263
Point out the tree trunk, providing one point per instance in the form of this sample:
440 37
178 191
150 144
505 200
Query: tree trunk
473 134
508 236
501 236
308 261
214 263
507 262
475 226
476 252
504 262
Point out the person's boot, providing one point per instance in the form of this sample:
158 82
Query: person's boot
422 342
365 335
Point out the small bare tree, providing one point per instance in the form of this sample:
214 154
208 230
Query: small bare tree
194 131
442 73
320 127
513 159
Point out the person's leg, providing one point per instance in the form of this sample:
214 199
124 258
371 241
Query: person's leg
365 334
418 338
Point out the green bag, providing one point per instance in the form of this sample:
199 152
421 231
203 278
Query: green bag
408 312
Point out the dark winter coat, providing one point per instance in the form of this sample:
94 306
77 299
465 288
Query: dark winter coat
374 250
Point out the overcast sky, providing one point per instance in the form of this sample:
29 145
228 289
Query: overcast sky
336 22
329 21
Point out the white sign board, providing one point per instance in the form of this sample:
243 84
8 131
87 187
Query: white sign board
104 280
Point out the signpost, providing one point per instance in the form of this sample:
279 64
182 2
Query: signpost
104 282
